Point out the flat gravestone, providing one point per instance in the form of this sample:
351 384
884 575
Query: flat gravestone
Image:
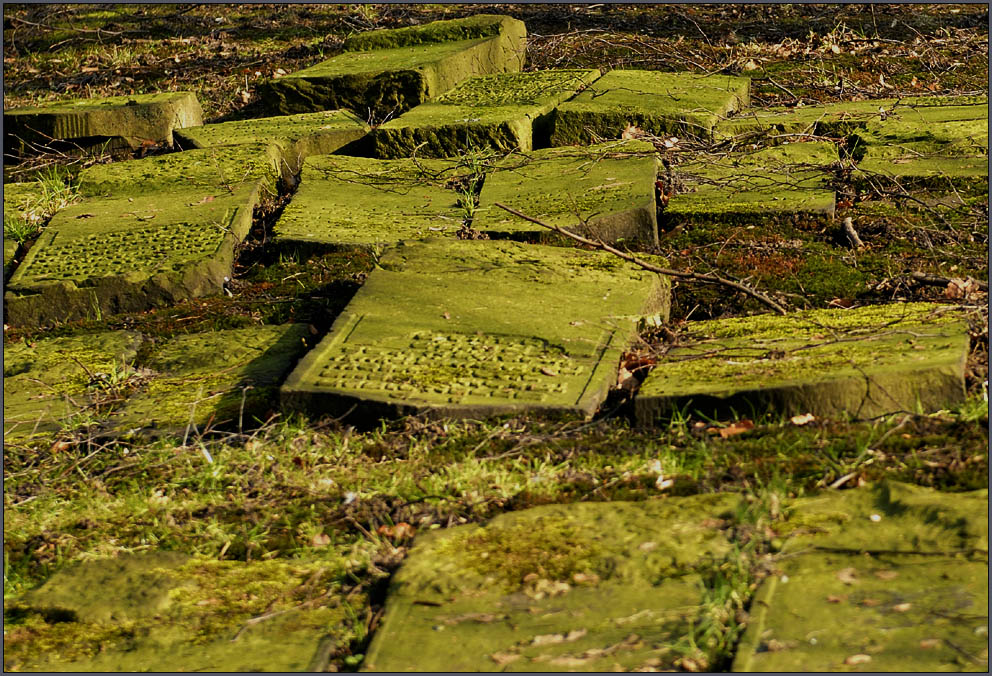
463 328
135 118
391 71
165 612
605 191
660 103
220 378
122 254
831 119
935 146
863 363
48 384
882 578
354 202
583 587
217 171
782 181
297 136
504 112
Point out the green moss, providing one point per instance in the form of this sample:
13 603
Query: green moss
452 30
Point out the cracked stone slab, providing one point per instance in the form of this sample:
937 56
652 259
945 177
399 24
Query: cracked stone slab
787 180
468 328
605 191
47 383
218 379
660 103
356 202
504 112
297 136
391 71
863 363
217 170
587 586
121 254
890 577
135 118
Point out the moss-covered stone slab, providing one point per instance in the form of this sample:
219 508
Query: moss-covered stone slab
862 363
121 254
605 191
505 112
469 328
166 612
216 170
55 383
926 146
354 202
581 587
660 103
217 379
394 70
135 118
297 136
788 180
882 578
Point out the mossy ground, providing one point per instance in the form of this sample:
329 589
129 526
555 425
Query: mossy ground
297 493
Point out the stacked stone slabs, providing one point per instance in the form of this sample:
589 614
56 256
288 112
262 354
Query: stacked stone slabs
390 71
786 180
581 587
862 363
354 202
297 136
887 578
504 112
605 191
135 119
468 328
659 103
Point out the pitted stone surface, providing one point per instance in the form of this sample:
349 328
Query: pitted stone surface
297 136
466 328
135 118
882 578
47 383
121 254
660 103
505 111
605 191
359 202
863 362
394 70
790 179
587 587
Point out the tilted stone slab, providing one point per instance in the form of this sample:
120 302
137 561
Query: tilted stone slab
392 71
504 112
218 379
135 118
121 254
926 146
355 202
863 362
882 578
660 103
605 191
297 136
47 384
786 180
468 328
214 170
582 587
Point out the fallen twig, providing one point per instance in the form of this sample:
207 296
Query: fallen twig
852 234
937 280
705 278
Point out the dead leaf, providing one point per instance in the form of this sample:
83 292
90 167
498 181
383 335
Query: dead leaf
631 132
902 607
549 371
446 315
802 419
848 575
626 379
886 574
860 658
502 659
836 599
738 427
585 578
870 603
751 65
320 540
481 618
841 302
929 643
208 198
